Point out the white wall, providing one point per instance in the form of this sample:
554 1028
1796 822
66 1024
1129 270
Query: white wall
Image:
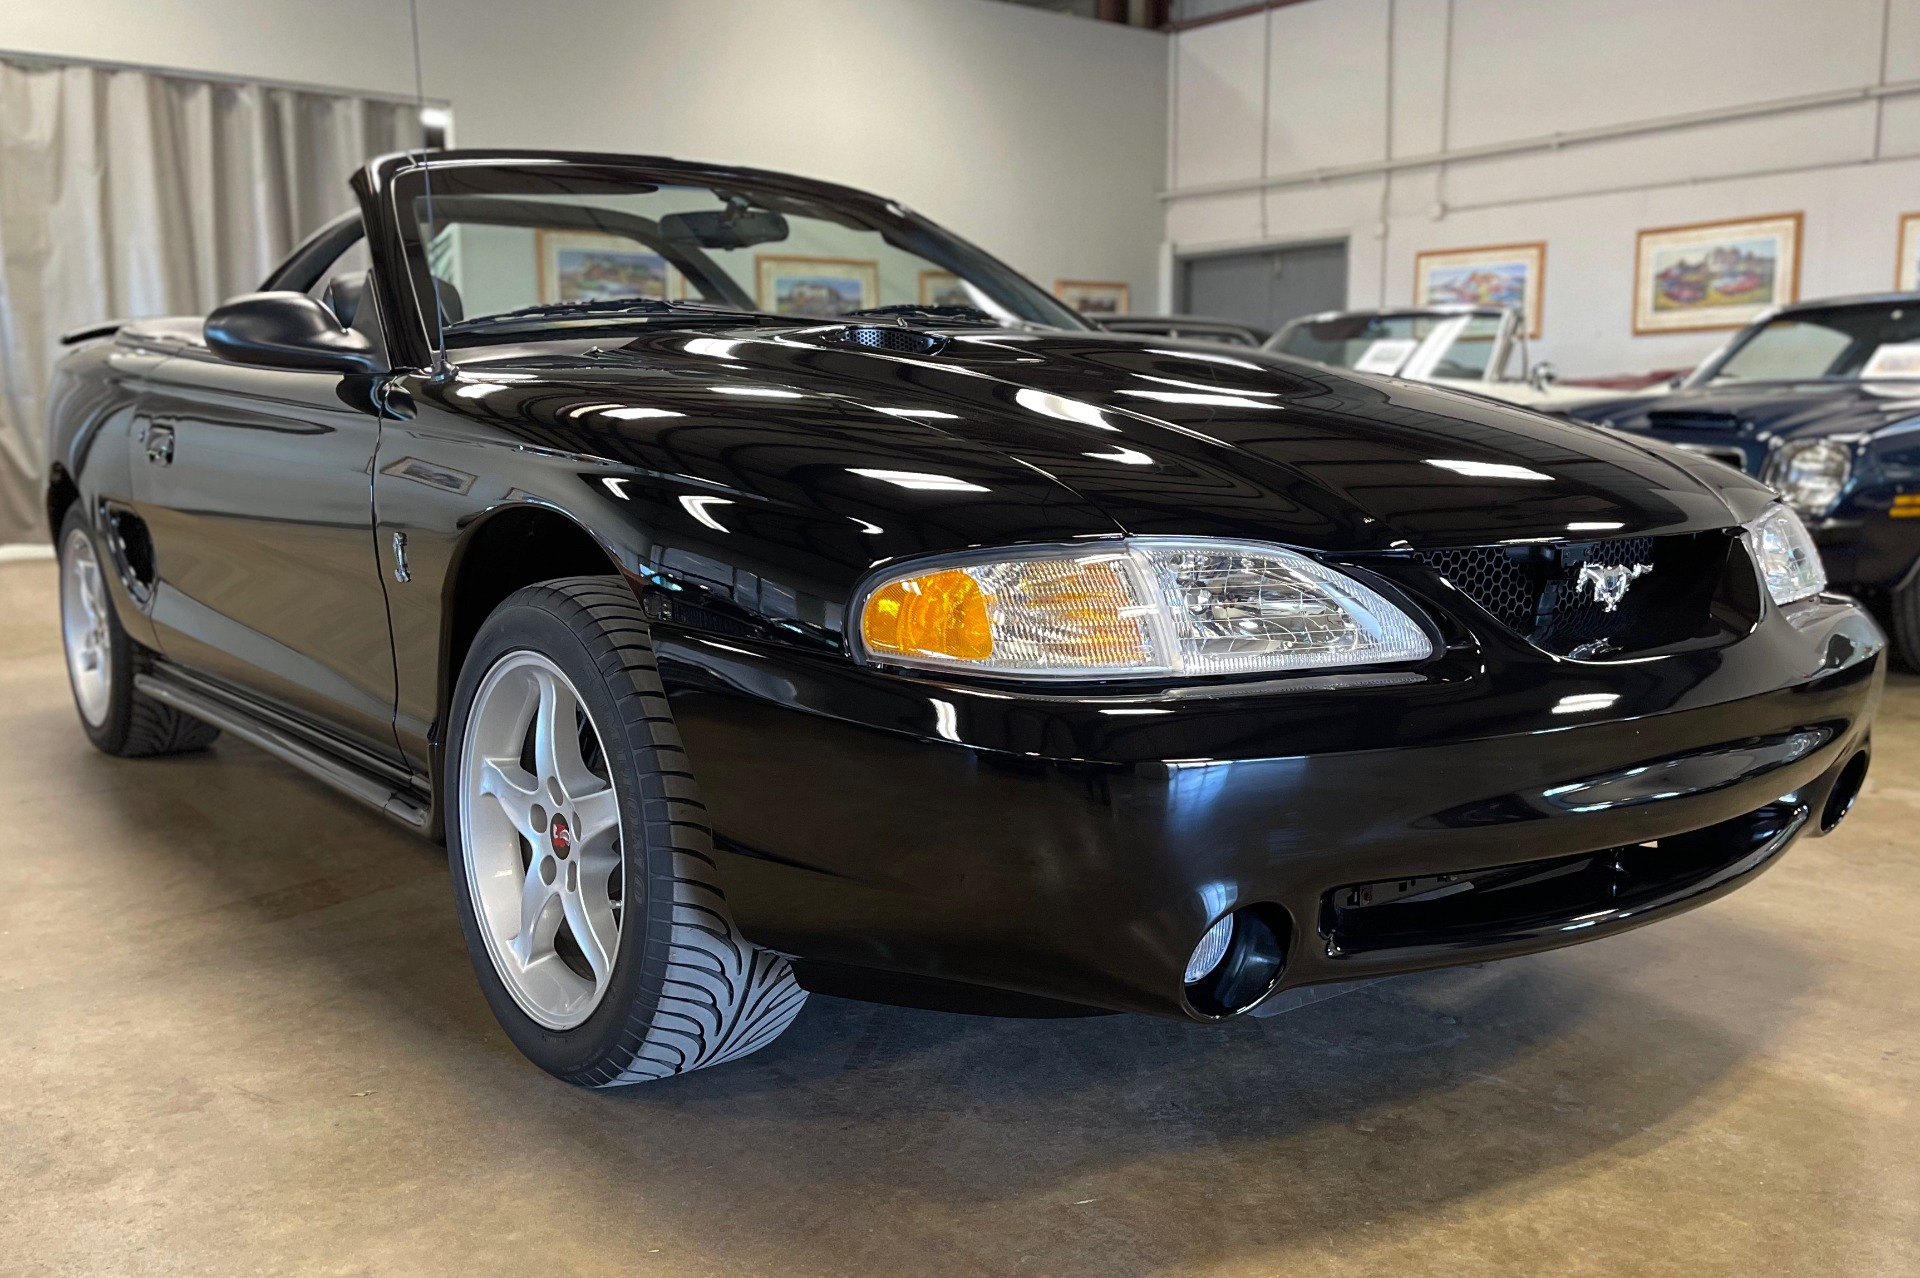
1342 82
1040 137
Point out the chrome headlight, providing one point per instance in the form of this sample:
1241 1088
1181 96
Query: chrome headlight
1811 473
1141 607
1786 556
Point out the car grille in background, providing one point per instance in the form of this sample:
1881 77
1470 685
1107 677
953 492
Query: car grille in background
1692 419
1700 587
901 341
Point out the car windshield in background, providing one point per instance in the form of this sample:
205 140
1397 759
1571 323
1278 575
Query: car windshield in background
512 249
1411 345
1837 342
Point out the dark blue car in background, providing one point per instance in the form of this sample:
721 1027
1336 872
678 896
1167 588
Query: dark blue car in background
1822 401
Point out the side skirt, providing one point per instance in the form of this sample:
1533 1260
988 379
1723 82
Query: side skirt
403 803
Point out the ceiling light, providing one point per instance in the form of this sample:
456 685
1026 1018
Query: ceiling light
1062 409
1194 397
1210 359
918 480
1487 470
1585 702
697 507
763 392
635 414
932 413
1196 386
1595 525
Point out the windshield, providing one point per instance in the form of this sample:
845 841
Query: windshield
1873 340
1408 345
539 246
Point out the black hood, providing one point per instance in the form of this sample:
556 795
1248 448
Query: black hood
1765 412
1049 436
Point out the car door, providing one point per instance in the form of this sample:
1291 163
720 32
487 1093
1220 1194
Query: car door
255 486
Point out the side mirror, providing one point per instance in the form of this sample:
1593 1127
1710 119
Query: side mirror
1543 376
287 330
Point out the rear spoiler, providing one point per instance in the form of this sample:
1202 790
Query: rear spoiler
91 332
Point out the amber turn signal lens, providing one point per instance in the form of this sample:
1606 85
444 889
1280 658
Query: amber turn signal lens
939 614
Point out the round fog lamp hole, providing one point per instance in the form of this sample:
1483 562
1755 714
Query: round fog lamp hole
1212 948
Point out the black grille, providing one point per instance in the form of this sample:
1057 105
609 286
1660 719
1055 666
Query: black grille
1492 578
1692 419
1692 588
901 341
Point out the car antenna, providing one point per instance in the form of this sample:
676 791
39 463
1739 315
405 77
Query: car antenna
442 370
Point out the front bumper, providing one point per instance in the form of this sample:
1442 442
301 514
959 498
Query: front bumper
1075 848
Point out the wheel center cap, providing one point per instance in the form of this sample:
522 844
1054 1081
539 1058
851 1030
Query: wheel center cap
560 836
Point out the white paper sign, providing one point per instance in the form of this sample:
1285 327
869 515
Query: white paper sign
1895 359
1386 355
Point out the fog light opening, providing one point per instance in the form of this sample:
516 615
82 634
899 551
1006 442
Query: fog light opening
1239 961
1845 791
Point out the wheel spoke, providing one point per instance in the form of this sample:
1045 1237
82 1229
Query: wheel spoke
595 814
515 790
538 920
595 931
556 737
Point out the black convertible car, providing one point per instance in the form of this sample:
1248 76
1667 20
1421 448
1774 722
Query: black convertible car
747 627
1821 400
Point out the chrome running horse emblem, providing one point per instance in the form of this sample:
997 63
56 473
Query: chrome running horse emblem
1610 582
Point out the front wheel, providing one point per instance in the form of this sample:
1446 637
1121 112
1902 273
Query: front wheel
582 863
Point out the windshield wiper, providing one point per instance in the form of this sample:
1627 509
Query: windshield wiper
609 308
932 314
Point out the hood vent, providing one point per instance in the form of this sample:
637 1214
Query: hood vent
1693 419
894 340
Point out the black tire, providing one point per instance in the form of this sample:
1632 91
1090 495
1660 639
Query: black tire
686 990
1904 604
132 724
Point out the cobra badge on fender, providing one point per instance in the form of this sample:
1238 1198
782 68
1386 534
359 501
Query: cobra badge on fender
1610 582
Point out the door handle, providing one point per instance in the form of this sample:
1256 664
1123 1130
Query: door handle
160 445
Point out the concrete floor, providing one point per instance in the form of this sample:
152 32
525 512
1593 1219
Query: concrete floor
239 1034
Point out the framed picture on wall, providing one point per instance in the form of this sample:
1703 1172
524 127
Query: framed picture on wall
1714 274
588 266
1511 275
815 287
1906 276
1095 298
943 288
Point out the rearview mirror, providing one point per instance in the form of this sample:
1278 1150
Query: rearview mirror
287 330
728 228
1543 376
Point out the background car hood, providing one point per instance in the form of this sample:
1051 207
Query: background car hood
1772 411
1049 436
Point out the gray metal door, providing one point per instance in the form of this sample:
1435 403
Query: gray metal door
1267 287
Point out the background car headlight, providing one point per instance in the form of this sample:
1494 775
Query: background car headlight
1150 606
1811 473
1786 555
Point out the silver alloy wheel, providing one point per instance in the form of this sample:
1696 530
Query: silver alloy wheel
542 844
83 624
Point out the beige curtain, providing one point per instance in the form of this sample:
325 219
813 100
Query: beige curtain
128 193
